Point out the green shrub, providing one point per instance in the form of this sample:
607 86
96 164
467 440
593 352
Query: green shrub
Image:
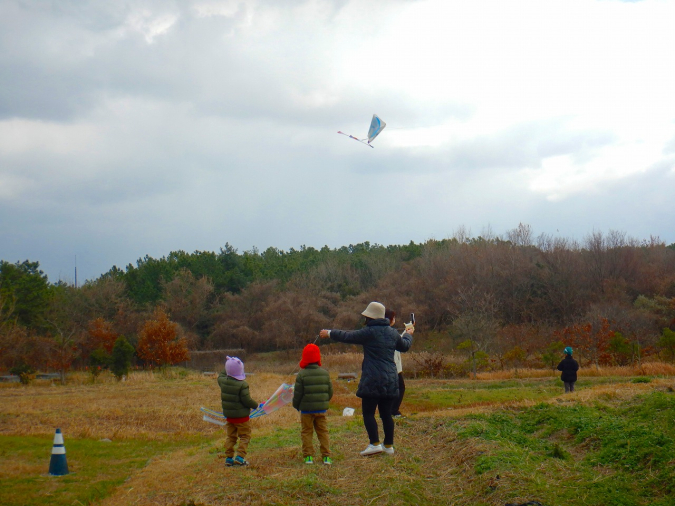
25 373
121 357
98 361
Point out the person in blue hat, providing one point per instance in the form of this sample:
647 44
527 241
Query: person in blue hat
569 368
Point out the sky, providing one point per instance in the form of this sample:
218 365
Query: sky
134 127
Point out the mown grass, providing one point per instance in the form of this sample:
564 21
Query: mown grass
619 454
444 394
509 440
96 468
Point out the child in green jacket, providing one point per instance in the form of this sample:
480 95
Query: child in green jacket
237 405
313 389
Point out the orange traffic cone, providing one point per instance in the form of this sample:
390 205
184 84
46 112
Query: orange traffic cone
58 466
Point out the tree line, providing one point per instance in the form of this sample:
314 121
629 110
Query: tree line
501 300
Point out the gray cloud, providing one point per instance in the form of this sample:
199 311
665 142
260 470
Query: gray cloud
134 128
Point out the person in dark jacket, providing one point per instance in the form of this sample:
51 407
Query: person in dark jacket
390 315
237 405
378 387
313 390
569 368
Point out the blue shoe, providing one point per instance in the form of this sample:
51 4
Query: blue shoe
229 461
239 461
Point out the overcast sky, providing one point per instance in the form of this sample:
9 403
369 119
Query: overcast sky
133 128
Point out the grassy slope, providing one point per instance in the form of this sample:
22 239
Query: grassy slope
612 442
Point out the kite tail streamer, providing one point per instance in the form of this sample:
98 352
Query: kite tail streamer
362 141
213 420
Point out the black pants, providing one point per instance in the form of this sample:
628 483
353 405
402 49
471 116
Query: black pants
396 407
383 406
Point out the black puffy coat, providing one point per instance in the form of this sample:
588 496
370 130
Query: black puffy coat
569 368
379 379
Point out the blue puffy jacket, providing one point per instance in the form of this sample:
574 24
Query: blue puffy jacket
379 378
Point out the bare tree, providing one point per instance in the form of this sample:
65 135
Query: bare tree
188 299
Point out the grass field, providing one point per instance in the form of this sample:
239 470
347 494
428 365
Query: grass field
464 442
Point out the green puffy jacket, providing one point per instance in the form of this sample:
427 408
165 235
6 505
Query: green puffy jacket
313 389
237 402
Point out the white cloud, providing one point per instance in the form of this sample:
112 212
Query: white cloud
141 127
149 25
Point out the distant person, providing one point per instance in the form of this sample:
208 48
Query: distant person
378 387
569 368
390 315
313 390
237 405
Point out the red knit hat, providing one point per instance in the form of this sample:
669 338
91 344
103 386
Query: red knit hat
310 355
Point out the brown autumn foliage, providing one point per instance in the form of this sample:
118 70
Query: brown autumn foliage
188 298
160 343
101 335
517 290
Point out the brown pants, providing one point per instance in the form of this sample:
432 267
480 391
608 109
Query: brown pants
241 431
314 422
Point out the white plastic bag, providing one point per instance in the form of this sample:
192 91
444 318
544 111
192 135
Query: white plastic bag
348 412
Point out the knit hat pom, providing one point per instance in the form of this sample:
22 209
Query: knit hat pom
235 368
310 355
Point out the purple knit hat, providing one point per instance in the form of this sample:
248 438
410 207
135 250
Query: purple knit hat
235 368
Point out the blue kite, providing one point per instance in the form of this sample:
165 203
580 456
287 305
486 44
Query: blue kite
376 126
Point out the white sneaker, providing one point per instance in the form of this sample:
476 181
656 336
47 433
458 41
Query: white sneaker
388 451
372 450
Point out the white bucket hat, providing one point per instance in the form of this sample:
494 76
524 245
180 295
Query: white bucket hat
374 310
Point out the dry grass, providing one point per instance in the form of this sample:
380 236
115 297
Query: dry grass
147 405
281 362
277 475
511 374
343 362
646 369
417 474
335 359
155 405
166 405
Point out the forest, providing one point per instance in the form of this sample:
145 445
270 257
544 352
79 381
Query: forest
497 301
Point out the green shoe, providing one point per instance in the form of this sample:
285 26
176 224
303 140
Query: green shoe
327 461
309 460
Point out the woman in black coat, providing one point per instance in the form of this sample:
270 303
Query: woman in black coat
378 387
569 368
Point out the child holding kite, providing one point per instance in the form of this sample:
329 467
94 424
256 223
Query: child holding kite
313 389
237 405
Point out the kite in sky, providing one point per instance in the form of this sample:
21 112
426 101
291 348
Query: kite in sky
376 126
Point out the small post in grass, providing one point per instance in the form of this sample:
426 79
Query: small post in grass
58 466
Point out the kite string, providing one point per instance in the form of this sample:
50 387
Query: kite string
297 368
